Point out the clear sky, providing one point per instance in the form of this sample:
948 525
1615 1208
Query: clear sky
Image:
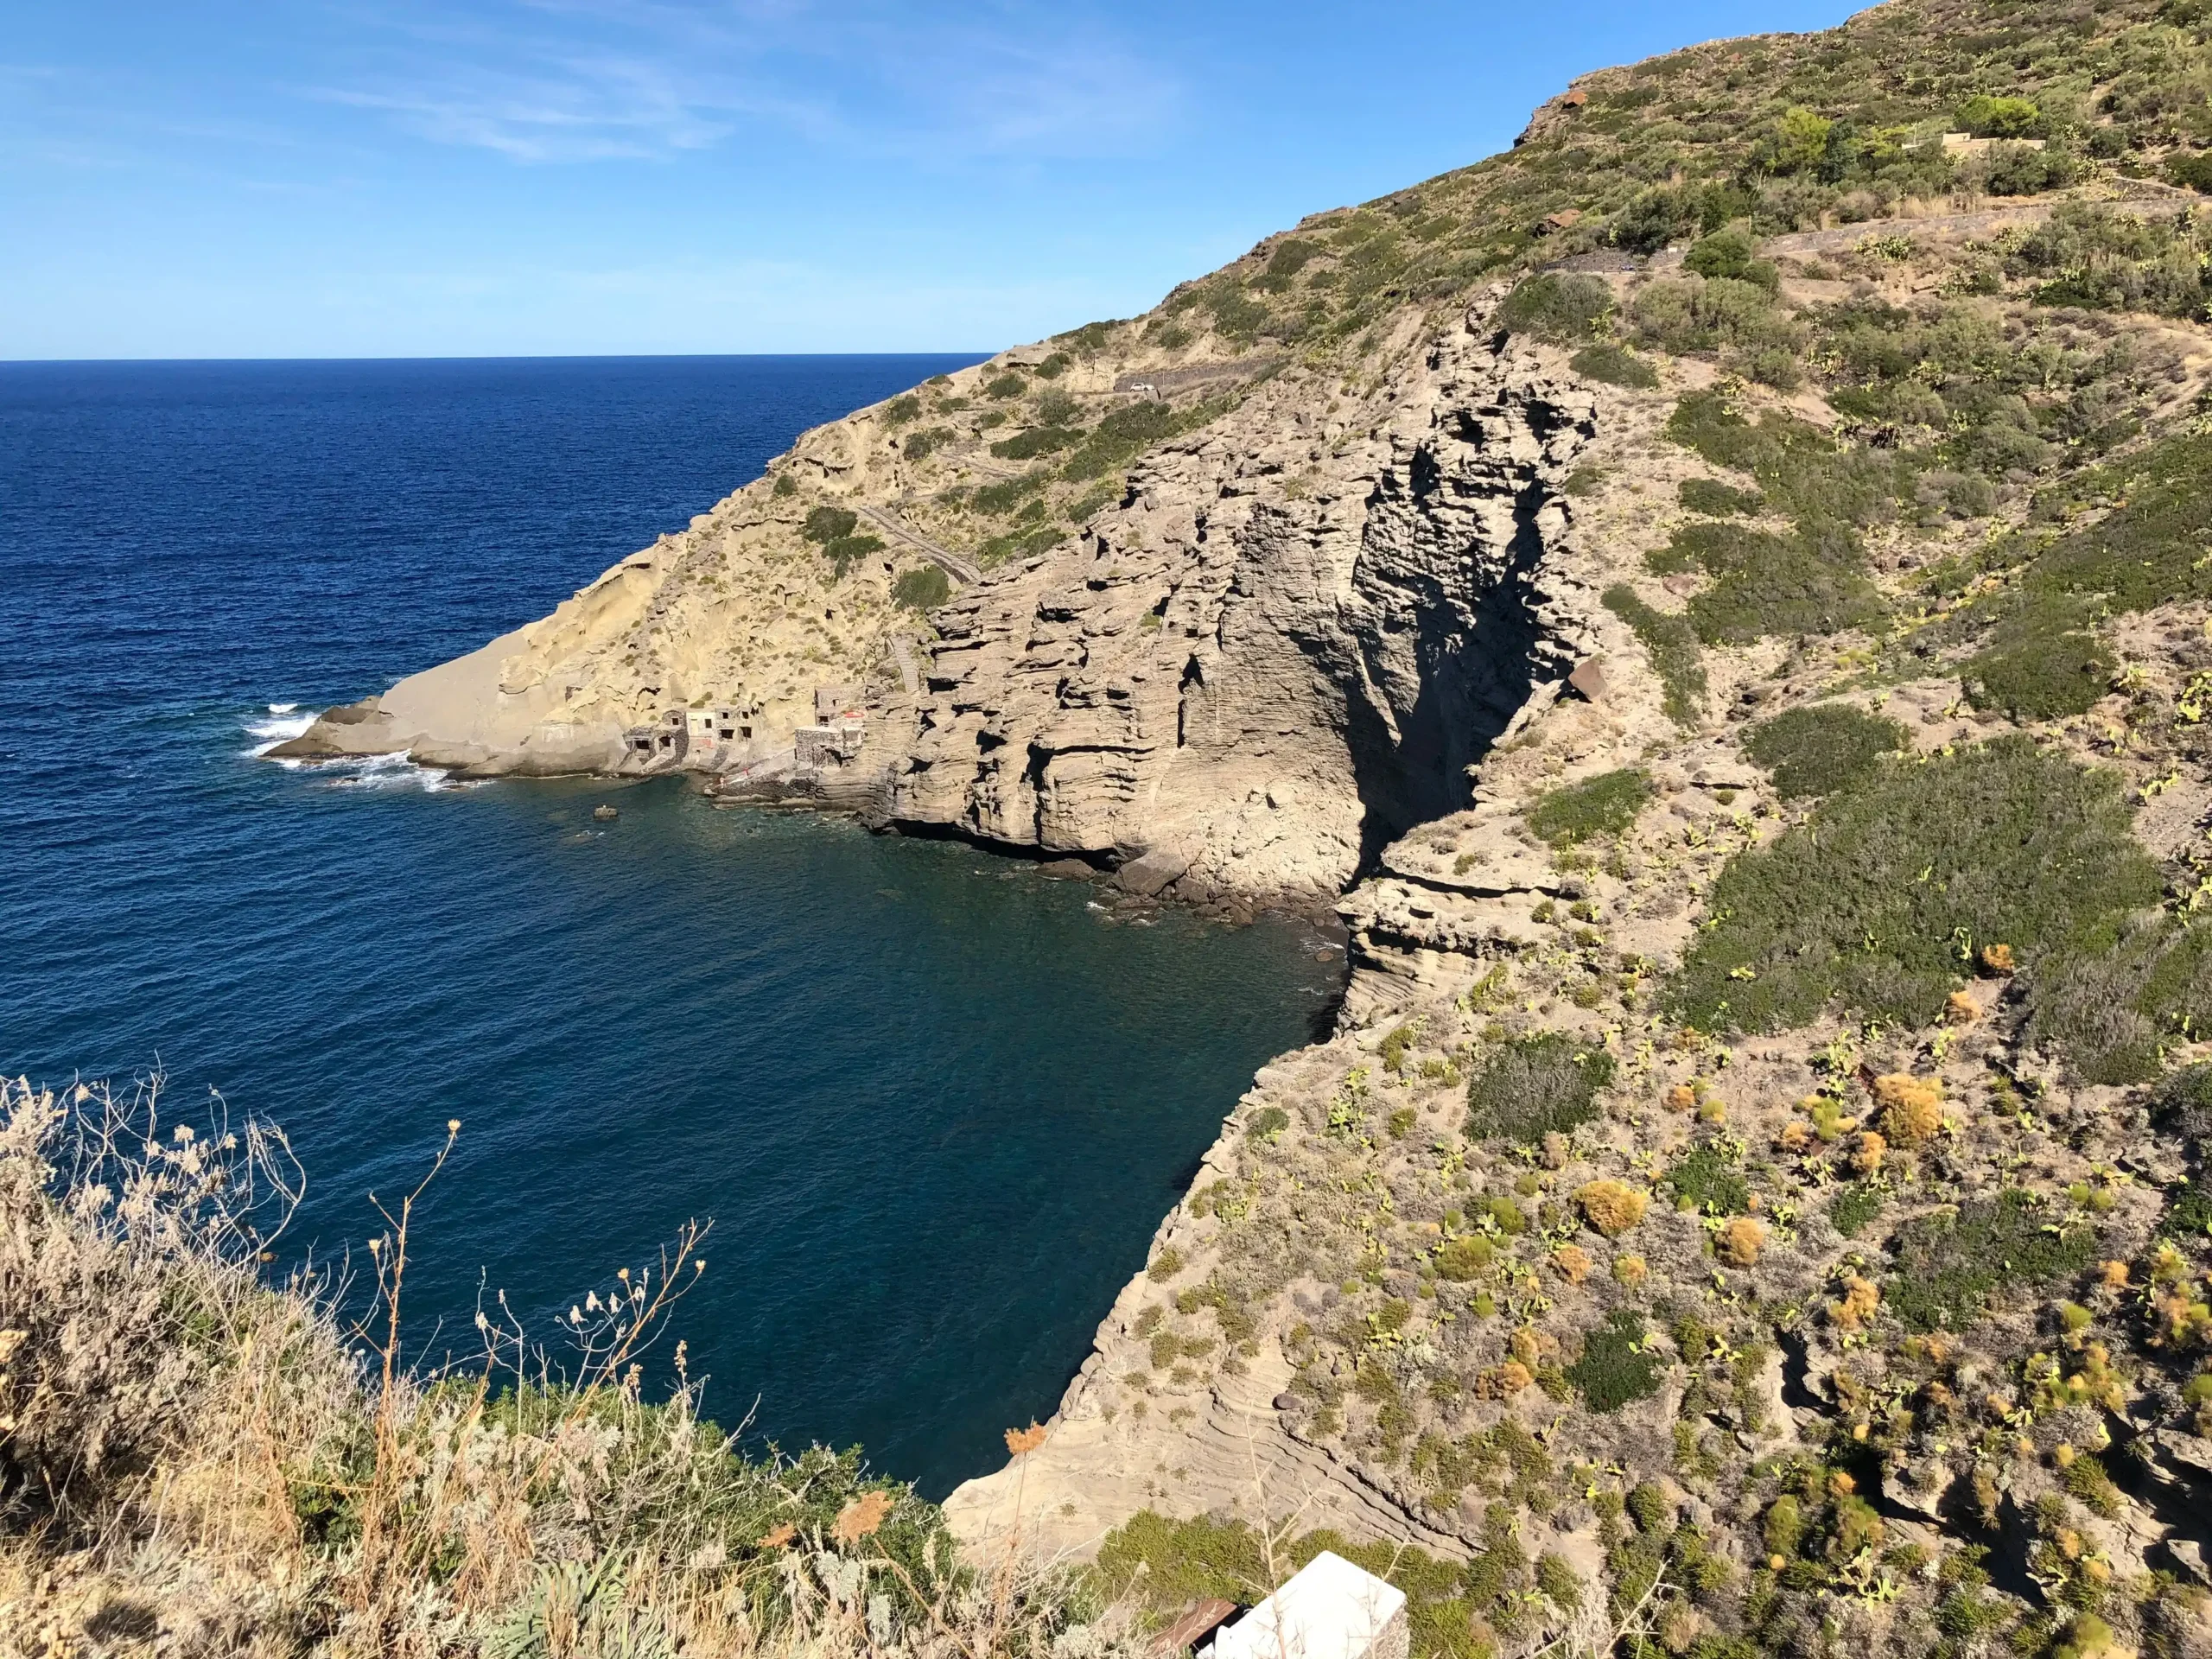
321 178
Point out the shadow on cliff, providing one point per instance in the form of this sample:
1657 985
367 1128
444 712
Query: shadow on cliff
1476 672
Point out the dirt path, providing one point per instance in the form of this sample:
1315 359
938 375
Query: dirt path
892 525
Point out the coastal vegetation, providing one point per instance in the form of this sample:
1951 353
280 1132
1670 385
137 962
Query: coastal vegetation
194 1452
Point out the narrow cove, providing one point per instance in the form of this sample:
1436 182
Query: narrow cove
934 1103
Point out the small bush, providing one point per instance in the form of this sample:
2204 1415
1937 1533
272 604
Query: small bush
847 551
1604 805
1867 904
1810 582
1127 433
923 588
1004 386
2148 549
1609 1206
1710 1181
1946 1267
1614 366
1037 440
2042 661
1670 641
1560 1583
1005 495
2192 172
1717 500
1611 1373
1855 1207
826 524
1461 1260
2001 117
1912 1107
1818 750
1537 1085
1562 307
1267 1123
1740 1242
899 411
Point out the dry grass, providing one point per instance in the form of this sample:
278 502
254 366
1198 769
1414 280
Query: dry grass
193 1460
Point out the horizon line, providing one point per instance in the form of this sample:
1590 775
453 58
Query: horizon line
496 357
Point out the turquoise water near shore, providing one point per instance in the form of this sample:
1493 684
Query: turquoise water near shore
934 1103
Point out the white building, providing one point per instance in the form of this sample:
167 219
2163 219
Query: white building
1330 1610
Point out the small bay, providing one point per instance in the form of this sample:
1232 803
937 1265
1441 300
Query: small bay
934 1103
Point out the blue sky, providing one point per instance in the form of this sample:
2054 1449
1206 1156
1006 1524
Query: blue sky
408 177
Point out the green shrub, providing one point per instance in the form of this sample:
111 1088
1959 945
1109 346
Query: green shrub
1671 643
1537 1085
785 485
2042 661
2093 257
1037 440
2001 117
2104 1009
1615 366
1127 433
1818 750
903 409
2192 172
1732 254
1799 467
1855 1207
1613 1371
826 524
920 445
1874 901
1003 386
1560 1583
2025 170
1392 1048
1948 1267
1811 581
1604 805
1650 1507
923 588
846 550
1506 1214
1461 1260
1562 307
1717 500
2150 550
1057 365
1708 1179
1006 494
1784 1529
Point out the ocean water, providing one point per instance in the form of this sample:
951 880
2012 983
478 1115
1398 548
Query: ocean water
933 1103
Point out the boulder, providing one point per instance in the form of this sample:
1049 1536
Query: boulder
1151 873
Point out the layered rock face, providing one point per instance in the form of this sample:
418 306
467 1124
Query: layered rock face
1282 649
1282 644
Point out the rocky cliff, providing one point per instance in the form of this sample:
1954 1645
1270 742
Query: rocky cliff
1717 599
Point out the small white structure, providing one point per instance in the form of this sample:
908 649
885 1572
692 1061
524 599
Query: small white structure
1330 1610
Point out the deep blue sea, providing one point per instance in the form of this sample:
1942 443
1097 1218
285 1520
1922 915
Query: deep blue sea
934 1104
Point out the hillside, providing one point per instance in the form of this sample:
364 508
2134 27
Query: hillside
1756 1183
